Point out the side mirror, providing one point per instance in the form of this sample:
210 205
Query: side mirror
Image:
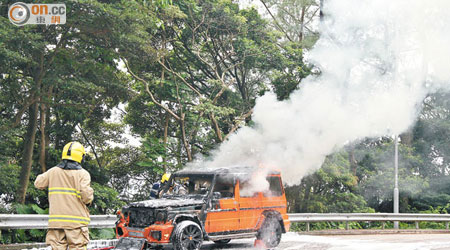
216 195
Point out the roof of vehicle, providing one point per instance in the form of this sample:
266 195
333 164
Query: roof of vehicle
238 171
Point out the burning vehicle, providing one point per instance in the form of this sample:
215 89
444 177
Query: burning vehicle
215 205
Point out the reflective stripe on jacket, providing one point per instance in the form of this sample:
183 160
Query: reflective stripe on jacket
68 193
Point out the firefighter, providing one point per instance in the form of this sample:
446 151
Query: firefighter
158 186
182 187
178 187
69 192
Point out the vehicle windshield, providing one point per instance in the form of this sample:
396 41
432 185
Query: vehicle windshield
191 186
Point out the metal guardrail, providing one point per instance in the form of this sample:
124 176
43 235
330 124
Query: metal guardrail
35 221
369 217
38 221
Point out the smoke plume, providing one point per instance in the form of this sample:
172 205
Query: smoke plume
378 61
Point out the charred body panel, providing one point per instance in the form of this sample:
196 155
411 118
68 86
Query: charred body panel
211 207
130 244
158 203
155 220
146 213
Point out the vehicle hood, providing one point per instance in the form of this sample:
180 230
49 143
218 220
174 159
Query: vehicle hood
163 203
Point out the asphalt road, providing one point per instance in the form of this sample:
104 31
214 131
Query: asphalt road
293 241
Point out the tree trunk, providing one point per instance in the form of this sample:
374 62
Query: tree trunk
180 153
47 131
166 131
45 127
407 138
321 10
27 159
404 203
30 136
183 138
86 138
58 125
304 206
352 160
43 143
215 126
302 21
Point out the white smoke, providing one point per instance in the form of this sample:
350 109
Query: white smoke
379 59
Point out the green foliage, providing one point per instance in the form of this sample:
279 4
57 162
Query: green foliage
29 209
329 190
376 172
211 61
302 226
124 173
295 19
210 108
155 152
102 233
9 181
106 200
289 70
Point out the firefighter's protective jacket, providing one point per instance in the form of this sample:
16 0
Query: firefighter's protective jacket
69 191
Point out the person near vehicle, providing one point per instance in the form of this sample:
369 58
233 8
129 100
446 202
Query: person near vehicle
158 186
69 191
179 188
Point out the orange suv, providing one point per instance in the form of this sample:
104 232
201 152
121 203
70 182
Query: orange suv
206 204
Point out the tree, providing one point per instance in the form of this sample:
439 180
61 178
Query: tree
331 189
203 74
296 22
58 76
375 173
430 138
431 133
296 19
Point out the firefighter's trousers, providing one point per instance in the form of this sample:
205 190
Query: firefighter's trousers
72 239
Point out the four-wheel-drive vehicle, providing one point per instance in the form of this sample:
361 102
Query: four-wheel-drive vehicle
216 204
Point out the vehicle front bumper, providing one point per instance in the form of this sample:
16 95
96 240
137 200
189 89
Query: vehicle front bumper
156 234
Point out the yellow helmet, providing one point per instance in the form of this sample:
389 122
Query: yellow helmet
73 151
165 177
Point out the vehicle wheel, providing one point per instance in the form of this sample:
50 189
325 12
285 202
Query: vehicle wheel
220 242
187 236
270 233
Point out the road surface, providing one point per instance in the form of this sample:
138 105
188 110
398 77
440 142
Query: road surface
293 241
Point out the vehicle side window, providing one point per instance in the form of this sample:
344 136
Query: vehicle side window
246 190
225 188
194 185
275 188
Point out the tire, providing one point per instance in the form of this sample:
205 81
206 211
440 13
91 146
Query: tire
270 232
187 236
222 242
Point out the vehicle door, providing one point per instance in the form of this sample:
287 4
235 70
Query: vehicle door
223 212
274 198
249 206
